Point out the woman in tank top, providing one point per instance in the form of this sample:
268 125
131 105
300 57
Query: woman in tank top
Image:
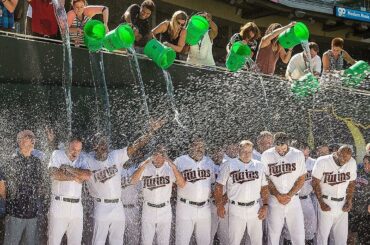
333 59
269 50
80 14
172 32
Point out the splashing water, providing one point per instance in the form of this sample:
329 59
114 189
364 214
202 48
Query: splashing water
61 17
308 60
101 93
141 82
170 94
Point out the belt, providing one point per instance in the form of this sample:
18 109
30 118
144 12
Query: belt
303 197
129 205
193 203
333 198
107 200
244 204
161 205
66 199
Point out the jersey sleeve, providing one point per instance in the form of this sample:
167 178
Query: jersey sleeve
224 173
121 156
83 161
302 164
292 64
263 178
265 163
317 170
172 175
54 163
353 170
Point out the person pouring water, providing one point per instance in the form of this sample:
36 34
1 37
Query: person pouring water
201 53
172 32
333 59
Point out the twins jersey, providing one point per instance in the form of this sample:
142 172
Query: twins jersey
307 186
71 189
226 158
198 176
130 193
157 183
243 181
256 155
105 181
283 171
334 179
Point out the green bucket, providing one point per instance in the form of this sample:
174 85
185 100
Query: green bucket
355 75
305 86
237 56
94 33
197 27
294 35
121 37
162 55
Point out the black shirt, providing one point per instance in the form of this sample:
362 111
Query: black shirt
142 25
23 182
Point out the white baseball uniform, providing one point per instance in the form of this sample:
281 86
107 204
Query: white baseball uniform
284 171
105 187
130 195
219 226
309 212
66 212
243 186
157 212
193 211
334 181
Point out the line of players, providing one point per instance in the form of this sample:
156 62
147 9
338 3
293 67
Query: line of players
230 194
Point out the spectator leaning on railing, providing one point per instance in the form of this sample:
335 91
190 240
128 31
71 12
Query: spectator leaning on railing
249 34
333 59
7 8
297 66
80 14
138 16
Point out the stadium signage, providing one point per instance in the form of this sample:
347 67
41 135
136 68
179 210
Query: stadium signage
352 14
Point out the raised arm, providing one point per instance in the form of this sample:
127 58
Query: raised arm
135 178
214 28
180 181
266 40
285 56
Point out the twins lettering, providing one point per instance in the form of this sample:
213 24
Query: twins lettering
241 177
334 179
281 169
105 174
152 183
193 176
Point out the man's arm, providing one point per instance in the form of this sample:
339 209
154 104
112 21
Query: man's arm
180 181
262 212
2 189
219 200
297 186
282 198
67 173
139 172
349 196
317 189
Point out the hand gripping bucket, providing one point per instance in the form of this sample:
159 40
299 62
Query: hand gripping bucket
237 56
121 37
162 55
94 33
197 27
355 75
305 86
294 35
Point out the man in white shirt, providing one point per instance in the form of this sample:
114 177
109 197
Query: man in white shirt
193 213
246 184
333 180
286 171
157 175
264 142
297 66
68 170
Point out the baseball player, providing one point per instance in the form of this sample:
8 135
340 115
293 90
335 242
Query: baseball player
68 169
333 180
193 211
264 142
286 171
105 186
219 226
246 183
157 175
130 195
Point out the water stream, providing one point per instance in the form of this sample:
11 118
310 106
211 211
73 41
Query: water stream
308 60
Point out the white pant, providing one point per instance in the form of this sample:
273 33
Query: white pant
219 226
191 218
292 214
65 217
241 218
133 226
156 221
336 221
109 218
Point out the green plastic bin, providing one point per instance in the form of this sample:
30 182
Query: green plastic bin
121 37
197 27
294 35
237 56
162 55
94 33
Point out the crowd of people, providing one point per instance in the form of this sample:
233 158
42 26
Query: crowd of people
266 50
271 192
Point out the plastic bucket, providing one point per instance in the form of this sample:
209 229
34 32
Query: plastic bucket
237 56
355 74
162 55
94 33
305 86
294 35
121 37
197 27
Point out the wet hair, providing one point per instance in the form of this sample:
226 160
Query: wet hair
337 42
281 137
250 27
97 138
160 149
76 1
76 138
149 4
314 46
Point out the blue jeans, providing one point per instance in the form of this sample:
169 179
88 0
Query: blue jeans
14 228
